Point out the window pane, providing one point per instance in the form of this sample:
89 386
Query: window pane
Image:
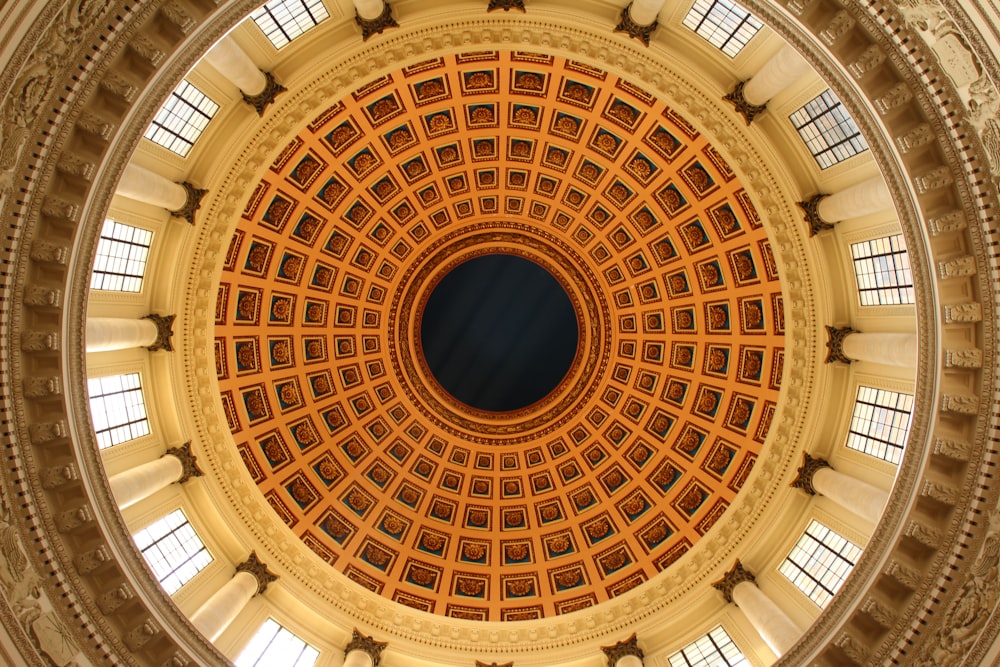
281 21
274 646
117 409
880 423
181 119
716 649
882 268
121 257
820 562
724 24
173 550
828 130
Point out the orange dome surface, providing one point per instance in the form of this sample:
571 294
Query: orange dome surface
572 500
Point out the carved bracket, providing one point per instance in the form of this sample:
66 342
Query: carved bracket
261 100
192 204
164 331
810 211
189 462
633 29
736 575
506 5
747 110
623 648
810 465
365 644
376 25
835 344
258 570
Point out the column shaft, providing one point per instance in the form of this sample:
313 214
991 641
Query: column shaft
852 494
131 486
369 10
629 661
860 199
213 617
119 333
147 186
782 70
891 349
645 12
232 62
774 626
357 658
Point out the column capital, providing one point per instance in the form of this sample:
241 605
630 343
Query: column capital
736 575
506 5
747 110
189 462
835 343
365 644
810 212
623 648
164 331
804 480
192 204
635 30
261 100
252 565
375 26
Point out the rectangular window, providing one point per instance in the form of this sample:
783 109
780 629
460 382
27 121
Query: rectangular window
117 409
716 649
880 423
121 257
173 550
281 21
274 646
819 563
828 130
181 119
724 24
882 267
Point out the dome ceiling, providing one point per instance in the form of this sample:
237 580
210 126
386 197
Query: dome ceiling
578 497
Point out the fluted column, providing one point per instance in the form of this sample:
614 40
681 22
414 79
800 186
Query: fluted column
639 19
774 626
782 70
864 198
153 332
141 184
130 486
892 349
817 477
624 654
259 88
373 16
363 651
219 611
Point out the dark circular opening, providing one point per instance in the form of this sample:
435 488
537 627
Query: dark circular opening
499 333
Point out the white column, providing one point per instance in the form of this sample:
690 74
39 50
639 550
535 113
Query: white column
232 62
131 486
629 661
358 658
369 10
852 494
855 201
213 617
782 70
645 12
119 333
774 626
147 186
891 349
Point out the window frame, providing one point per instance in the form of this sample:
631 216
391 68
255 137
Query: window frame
871 282
705 660
110 428
869 445
716 13
124 254
245 660
173 567
818 128
838 555
289 28
182 119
